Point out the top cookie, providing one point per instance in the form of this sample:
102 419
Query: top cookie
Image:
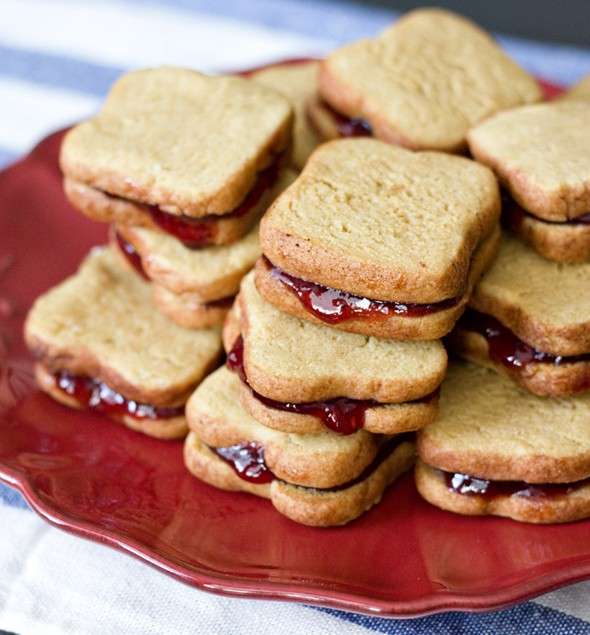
540 153
490 428
298 83
100 322
425 81
175 138
383 222
545 303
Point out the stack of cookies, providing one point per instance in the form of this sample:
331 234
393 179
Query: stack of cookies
183 166
334 340
515 440
331 291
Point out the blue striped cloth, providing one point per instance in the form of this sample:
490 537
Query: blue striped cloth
57 61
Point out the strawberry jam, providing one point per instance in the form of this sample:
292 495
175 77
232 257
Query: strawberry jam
473 486
247 459
347 126
333 305
196 233
96 395
506 348
341 415
130 253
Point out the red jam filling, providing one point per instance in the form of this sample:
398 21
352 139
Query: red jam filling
96 395
341 415
333 305
247 460
473 486
195 233
505 347
348 126
131 254
514 215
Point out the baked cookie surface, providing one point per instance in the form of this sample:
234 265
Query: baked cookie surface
297 83
490 428
172 137
540 154
101 323
383 222
425 81
292 360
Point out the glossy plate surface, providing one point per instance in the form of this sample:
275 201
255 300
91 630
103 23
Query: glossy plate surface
104 482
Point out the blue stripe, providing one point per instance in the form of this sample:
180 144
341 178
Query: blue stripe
338 21
6 157
343 22
11 497
57 71
530 618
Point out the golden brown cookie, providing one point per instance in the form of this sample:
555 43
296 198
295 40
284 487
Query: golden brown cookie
429 326
305 505
298 83
529 318
99 325
189 143
185 309
381 231
425 81
320 460
331 378
498 449
540 154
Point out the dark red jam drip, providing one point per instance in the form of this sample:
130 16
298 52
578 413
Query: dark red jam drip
130 253
347 126
506 348
513 215
247 460
195 233
96 395
341 415
473 486
235 359
333 305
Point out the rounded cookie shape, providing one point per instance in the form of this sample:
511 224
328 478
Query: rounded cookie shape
187 142
425 80
383 222
490 428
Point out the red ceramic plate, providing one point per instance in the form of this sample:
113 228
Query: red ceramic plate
99 480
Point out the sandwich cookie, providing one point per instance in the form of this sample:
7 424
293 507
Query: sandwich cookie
100 345
421 84
529 318
319 480
191 156
193 287
303 378
297 82
496 449
378 240
540 155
